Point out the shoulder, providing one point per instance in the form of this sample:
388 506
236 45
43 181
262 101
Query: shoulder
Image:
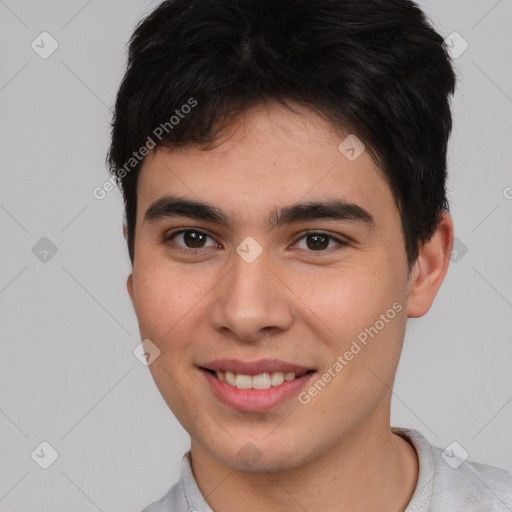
448 482
472 486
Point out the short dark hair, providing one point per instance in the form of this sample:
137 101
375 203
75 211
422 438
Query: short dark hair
374 68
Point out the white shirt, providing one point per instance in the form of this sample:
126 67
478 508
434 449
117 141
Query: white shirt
471 487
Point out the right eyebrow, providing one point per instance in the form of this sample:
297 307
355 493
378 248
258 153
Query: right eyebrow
173 206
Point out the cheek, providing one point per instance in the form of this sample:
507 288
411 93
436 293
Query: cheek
165 302
342 301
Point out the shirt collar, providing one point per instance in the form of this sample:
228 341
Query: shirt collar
193 496
422 495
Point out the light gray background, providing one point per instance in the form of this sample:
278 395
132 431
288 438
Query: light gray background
68 375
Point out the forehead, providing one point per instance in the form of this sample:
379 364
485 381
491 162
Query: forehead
269 156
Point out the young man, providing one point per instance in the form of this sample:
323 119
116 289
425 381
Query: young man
283 166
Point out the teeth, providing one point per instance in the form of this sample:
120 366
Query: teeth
277 378
261 381
243 381
230 378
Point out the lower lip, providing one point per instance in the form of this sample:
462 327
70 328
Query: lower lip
256 400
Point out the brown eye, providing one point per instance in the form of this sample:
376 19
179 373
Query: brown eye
194 239
189 240
315 242
319 242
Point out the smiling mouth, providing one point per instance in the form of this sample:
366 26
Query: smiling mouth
260 381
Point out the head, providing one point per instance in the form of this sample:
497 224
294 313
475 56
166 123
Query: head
253 124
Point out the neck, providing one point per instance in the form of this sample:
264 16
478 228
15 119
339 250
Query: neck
371 469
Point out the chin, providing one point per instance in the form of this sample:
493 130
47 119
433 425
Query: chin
264 456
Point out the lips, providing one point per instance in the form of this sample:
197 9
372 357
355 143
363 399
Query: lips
255 386
253 399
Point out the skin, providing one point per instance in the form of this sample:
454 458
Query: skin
293 303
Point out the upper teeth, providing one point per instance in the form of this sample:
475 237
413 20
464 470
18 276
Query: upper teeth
261 381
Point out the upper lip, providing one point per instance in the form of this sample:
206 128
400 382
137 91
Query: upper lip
255 367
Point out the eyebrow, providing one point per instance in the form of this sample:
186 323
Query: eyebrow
170 206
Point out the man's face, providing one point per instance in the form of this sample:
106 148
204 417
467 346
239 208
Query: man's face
304 300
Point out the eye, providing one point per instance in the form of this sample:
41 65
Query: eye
188 240
192 241
317 241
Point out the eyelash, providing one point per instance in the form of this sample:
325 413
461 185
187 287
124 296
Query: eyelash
185 250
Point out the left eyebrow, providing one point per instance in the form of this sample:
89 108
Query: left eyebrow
335 209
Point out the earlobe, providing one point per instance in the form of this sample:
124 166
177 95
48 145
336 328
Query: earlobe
430 268
125 232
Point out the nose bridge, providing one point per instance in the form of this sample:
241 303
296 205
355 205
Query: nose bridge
247 278
249 301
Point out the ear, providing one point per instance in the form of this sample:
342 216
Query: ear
430 268
129 286
129 282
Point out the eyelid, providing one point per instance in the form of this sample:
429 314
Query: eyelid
168 237
179 231
335 238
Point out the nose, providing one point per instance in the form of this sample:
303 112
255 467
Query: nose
251 301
